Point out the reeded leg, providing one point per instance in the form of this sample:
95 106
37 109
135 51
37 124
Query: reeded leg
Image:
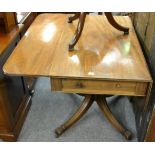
115 24
74 17
78 31
101 101
87 102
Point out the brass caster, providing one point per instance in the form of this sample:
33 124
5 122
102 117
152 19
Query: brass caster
127 135
59 131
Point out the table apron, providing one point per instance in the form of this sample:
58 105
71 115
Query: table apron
130 88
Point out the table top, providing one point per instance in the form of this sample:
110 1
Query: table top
101 53
7 38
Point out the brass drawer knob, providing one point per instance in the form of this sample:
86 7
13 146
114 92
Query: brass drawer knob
118 85
79 85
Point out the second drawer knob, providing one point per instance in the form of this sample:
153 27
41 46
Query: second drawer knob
118 85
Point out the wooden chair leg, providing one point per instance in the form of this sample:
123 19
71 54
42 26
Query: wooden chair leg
74 17
115 24
101 101
78 31
87 102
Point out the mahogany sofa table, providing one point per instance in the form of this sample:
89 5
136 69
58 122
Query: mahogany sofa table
104 62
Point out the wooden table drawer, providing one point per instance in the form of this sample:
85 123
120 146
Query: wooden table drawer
99 87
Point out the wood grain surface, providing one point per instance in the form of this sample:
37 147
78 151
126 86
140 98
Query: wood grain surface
101 53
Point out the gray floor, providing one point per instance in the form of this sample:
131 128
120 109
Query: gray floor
49 110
